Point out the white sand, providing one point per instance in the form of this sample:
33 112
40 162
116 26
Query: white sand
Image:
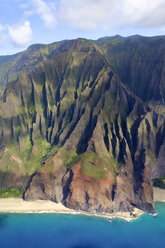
14 205
21 206
159 194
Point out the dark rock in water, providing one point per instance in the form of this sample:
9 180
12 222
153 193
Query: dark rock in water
82 122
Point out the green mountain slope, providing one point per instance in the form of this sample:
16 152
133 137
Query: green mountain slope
83 123
139 62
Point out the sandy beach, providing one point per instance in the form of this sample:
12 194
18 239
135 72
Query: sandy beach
15 205
159 194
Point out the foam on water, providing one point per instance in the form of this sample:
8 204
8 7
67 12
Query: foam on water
76 231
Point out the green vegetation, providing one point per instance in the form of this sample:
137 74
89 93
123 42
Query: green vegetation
37 157
73 159
43 147
11 192
25 150
69 158
49 166
31 109
29 158
51 152
28 146
22 109
114 42
11 163
159 182
91 167
17 131
96 165
115 164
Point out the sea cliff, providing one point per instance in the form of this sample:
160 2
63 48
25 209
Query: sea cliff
82 123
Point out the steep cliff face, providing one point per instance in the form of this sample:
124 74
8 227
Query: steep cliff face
76 129
139 62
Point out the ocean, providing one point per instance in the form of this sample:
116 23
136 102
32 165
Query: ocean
76 231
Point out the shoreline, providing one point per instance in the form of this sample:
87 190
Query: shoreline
17 205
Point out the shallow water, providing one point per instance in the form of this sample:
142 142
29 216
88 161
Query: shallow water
58 230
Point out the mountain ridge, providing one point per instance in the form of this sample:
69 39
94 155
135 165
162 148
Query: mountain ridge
78 127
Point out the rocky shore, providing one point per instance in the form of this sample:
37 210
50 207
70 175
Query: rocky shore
13 205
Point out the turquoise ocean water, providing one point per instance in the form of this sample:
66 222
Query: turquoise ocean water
57 230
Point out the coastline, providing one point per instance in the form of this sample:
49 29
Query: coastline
17 205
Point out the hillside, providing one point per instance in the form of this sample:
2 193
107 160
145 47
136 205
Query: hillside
82 122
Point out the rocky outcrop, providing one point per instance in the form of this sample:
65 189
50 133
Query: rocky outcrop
82 192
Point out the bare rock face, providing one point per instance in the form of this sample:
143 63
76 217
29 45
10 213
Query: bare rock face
82 192
158 171
47 185
89 194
